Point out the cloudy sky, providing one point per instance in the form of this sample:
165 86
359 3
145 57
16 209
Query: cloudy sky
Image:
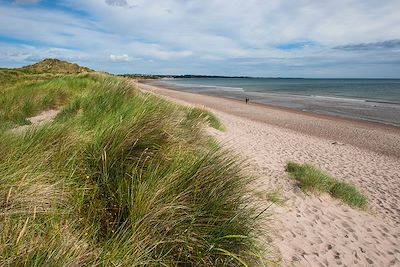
285 38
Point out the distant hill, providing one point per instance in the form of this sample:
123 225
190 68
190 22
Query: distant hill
50 65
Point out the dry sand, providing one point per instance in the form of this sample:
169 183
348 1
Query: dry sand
40 119
312 230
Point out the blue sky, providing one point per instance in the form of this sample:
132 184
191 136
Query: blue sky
277 38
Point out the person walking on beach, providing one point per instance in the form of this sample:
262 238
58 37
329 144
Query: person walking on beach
247 100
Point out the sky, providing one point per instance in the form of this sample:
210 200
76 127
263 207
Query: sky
275 38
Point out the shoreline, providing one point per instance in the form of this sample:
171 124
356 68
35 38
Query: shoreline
373 136
366 110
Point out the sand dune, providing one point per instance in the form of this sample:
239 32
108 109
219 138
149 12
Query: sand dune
316 230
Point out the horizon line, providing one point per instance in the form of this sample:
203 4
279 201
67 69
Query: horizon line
244 76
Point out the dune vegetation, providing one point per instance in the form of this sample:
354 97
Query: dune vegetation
313 179
119 178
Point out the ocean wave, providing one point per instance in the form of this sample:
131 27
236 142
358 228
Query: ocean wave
376 101
226 88
335 98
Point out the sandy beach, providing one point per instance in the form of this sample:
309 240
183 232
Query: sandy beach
316 230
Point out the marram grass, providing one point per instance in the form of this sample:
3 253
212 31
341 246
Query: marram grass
312 179
212 120
119 178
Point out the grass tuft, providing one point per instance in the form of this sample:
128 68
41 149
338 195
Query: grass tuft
276 197
312 179
209 117
273 196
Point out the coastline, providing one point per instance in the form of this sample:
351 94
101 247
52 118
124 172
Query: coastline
356 107
314 230
373 136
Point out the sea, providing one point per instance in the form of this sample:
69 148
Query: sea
375 100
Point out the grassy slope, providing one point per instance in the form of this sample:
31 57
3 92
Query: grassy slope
313 179
23 95
56 66
119 178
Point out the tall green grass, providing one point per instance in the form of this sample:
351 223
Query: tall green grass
27 99
212 120
120 178
312 179
11 77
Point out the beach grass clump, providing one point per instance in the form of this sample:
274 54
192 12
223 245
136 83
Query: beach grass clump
313 179
119 178
274 196
30 98
208 116
12 77
213 143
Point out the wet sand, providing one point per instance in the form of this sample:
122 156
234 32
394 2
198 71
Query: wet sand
372 136
316 230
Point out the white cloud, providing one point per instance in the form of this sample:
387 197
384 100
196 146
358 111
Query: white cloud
117 2
120 58
227 36
18 53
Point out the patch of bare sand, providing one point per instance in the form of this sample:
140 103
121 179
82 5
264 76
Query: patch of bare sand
43 117
315 230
